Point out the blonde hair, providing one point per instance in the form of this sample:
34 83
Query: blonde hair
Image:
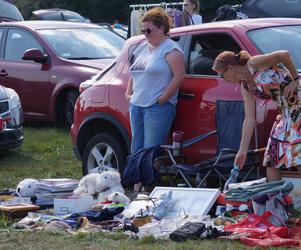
159 18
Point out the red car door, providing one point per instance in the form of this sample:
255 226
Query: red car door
201 88
29 79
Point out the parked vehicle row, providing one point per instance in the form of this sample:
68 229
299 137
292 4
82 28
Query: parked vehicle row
101 130
45 61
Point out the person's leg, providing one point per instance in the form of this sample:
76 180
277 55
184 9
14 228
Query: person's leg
137 126
157 123
273 174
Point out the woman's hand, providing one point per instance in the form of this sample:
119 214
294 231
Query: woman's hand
240 159
127 97
162 99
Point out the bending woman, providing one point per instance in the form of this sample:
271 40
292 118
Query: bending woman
270 76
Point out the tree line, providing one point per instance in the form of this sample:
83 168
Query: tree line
109 10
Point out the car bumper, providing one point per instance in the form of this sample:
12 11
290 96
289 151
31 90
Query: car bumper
11 138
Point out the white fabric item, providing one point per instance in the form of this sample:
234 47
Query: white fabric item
136 22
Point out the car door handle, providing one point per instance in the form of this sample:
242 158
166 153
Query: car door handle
186 96
3 72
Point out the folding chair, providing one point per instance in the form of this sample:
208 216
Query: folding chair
229 123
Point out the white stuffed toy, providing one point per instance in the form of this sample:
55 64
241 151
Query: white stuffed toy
26 187
107 183
118 198
87 185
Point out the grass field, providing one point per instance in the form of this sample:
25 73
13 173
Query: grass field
47 153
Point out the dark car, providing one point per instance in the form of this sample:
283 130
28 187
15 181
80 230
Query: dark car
9 12
59 15
101 132
271 8
11 119
45 61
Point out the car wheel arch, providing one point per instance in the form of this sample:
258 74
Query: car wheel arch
58 103
99 122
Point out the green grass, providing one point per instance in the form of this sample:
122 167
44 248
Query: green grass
47 153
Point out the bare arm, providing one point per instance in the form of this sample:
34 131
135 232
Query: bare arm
176 62
268 60
248 127
281 56
129 90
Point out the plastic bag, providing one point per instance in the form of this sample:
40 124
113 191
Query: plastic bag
278 204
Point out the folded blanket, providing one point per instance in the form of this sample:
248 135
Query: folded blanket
244 194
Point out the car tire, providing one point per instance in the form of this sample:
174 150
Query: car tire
71 98
102 153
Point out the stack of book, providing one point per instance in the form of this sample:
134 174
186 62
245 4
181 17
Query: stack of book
48 189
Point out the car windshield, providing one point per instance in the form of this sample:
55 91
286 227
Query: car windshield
9 11
84 43
279 38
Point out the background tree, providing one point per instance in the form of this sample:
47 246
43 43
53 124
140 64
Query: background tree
107 11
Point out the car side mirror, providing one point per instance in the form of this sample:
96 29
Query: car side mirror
35 55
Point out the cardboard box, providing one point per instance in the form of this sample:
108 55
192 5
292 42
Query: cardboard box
18 210
73 204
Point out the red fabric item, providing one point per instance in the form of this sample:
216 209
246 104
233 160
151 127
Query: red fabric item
256 225
252 220
295 232
222 201
258 231
269 240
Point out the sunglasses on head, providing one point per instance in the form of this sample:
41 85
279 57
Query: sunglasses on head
147 31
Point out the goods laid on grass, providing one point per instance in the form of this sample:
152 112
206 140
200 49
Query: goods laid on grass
98 203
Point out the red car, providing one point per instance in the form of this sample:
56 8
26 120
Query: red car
45 61
101 131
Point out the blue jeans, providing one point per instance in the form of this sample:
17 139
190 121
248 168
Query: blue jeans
150 125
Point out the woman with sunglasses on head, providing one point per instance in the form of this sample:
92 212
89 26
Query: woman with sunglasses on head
193 8
156 75
270 76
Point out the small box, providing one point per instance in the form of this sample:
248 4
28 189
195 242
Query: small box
140 221
73 204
